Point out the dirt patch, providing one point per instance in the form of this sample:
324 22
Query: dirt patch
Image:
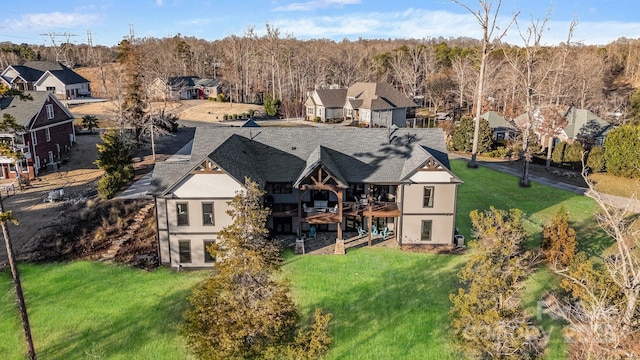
214 111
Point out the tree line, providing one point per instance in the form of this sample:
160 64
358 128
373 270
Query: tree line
437 72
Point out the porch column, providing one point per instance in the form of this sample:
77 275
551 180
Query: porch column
299 231
339 213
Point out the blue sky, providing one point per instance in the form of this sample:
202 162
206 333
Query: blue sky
599 21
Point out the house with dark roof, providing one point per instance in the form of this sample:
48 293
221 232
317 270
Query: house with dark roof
335 181
49 76
48 134
501 129
374 104
184 88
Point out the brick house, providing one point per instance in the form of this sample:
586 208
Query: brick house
47 137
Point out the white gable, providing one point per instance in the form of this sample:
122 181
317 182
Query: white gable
207 186
432 177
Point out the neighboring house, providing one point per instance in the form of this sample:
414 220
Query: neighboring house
326 104
501 129
582 125
332 179
49 76
184 88
374 104
48 134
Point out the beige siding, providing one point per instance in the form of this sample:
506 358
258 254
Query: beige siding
442 214
441 229
163 239
221 218
197 250
444 199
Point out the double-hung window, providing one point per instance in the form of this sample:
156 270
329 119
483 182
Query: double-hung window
50 113
184 250
425 232
207 214
182 210
427 200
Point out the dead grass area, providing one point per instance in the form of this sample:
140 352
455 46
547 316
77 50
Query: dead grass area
614 185
214 111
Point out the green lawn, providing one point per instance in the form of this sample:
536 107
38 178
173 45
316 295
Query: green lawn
387 304
84 310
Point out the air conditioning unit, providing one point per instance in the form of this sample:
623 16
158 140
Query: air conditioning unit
459 240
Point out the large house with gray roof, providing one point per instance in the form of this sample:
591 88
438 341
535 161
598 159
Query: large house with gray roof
47 136
335 181
373 104
49 76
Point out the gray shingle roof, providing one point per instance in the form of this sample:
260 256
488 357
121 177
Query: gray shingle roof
61 72
582 120
23 110
496 121
332 98
284 154
378 96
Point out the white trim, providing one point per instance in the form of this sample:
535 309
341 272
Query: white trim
52 125
34 137
47 133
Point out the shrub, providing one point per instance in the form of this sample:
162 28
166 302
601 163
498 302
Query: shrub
316 119
251 112
573 155
595 159
222 97
558 153
235 116
622 147
462 136
108 185
225 117
559 241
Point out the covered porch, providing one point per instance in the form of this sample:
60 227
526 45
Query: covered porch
325 242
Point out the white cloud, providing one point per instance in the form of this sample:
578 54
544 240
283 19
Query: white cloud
424 24
159 2
196 22
316 4
50 21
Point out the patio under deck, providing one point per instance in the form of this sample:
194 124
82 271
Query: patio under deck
325 242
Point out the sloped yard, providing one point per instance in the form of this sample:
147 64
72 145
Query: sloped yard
387 304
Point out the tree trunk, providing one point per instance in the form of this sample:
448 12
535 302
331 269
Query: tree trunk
18 286
549 152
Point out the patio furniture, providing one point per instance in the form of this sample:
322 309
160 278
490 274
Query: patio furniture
312 232
361 232
385 232
374 230
334 209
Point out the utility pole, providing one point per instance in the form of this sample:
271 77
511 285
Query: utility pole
62 51
4 217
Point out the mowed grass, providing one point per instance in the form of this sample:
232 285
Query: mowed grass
386 304
84 310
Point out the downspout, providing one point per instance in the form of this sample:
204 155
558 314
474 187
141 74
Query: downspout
401 219
155 201
455 211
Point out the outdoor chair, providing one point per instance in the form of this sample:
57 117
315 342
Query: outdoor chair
374 230
361 232
312 232
334 209
385 232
